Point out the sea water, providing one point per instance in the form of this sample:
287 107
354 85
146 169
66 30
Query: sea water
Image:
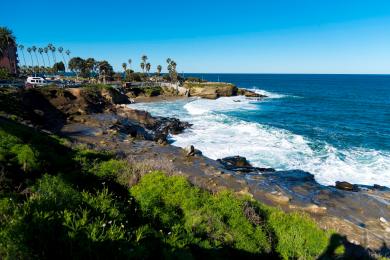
336 127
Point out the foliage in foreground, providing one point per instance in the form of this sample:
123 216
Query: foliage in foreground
74 203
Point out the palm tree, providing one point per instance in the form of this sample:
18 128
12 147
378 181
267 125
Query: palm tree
67 52
148 66
40 50
46 50
21 47
124 66
144 59
6 39
159 69
129 61
169 60
34 49
60 50
32 61
53 50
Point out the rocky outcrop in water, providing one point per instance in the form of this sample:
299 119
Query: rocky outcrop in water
214 90
241 165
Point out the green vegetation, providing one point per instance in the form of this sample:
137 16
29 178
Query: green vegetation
4 74
78 203
194 84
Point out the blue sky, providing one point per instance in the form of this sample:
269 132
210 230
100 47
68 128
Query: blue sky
264 36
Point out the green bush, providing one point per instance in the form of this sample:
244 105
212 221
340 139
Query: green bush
26 157
298 237
110 170
191 215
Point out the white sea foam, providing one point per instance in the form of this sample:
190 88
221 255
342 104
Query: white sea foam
223 104
219 135
267 93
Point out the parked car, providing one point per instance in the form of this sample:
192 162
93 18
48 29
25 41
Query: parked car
35 82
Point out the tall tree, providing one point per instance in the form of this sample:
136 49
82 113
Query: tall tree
129 61
144 59
105 69
76 65
148 67
40 50
159 69
59 67
53 53
124 66
172 70
34 49
67 52
60 50
21 48
32 61
46 50
6 39
90 66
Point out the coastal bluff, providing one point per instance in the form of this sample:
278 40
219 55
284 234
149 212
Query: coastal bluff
93 117
214 90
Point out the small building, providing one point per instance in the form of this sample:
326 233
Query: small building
9 60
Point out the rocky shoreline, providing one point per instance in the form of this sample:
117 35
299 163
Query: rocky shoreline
95 119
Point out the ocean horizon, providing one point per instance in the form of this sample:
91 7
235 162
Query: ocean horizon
335 126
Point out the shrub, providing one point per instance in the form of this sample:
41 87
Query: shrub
26 156
195 216
298 237
110 170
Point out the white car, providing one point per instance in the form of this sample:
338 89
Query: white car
36 82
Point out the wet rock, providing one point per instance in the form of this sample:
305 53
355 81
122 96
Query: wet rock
251 94
39 112
245 192
343 185
312 208
378 187
278 197
235 161
159 127
240 164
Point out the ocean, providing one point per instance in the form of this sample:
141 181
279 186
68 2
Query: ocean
337 127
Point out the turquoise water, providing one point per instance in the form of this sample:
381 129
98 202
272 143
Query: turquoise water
336 127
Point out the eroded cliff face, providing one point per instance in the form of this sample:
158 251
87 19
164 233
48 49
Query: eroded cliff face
214 90
51 107
89 111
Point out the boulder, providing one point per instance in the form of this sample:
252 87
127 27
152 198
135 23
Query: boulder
240 164
249 93
343 185
235 161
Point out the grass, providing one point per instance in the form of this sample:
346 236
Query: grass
57 201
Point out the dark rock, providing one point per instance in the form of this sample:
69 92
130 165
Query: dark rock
240 164
343 185
39 112
235 161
